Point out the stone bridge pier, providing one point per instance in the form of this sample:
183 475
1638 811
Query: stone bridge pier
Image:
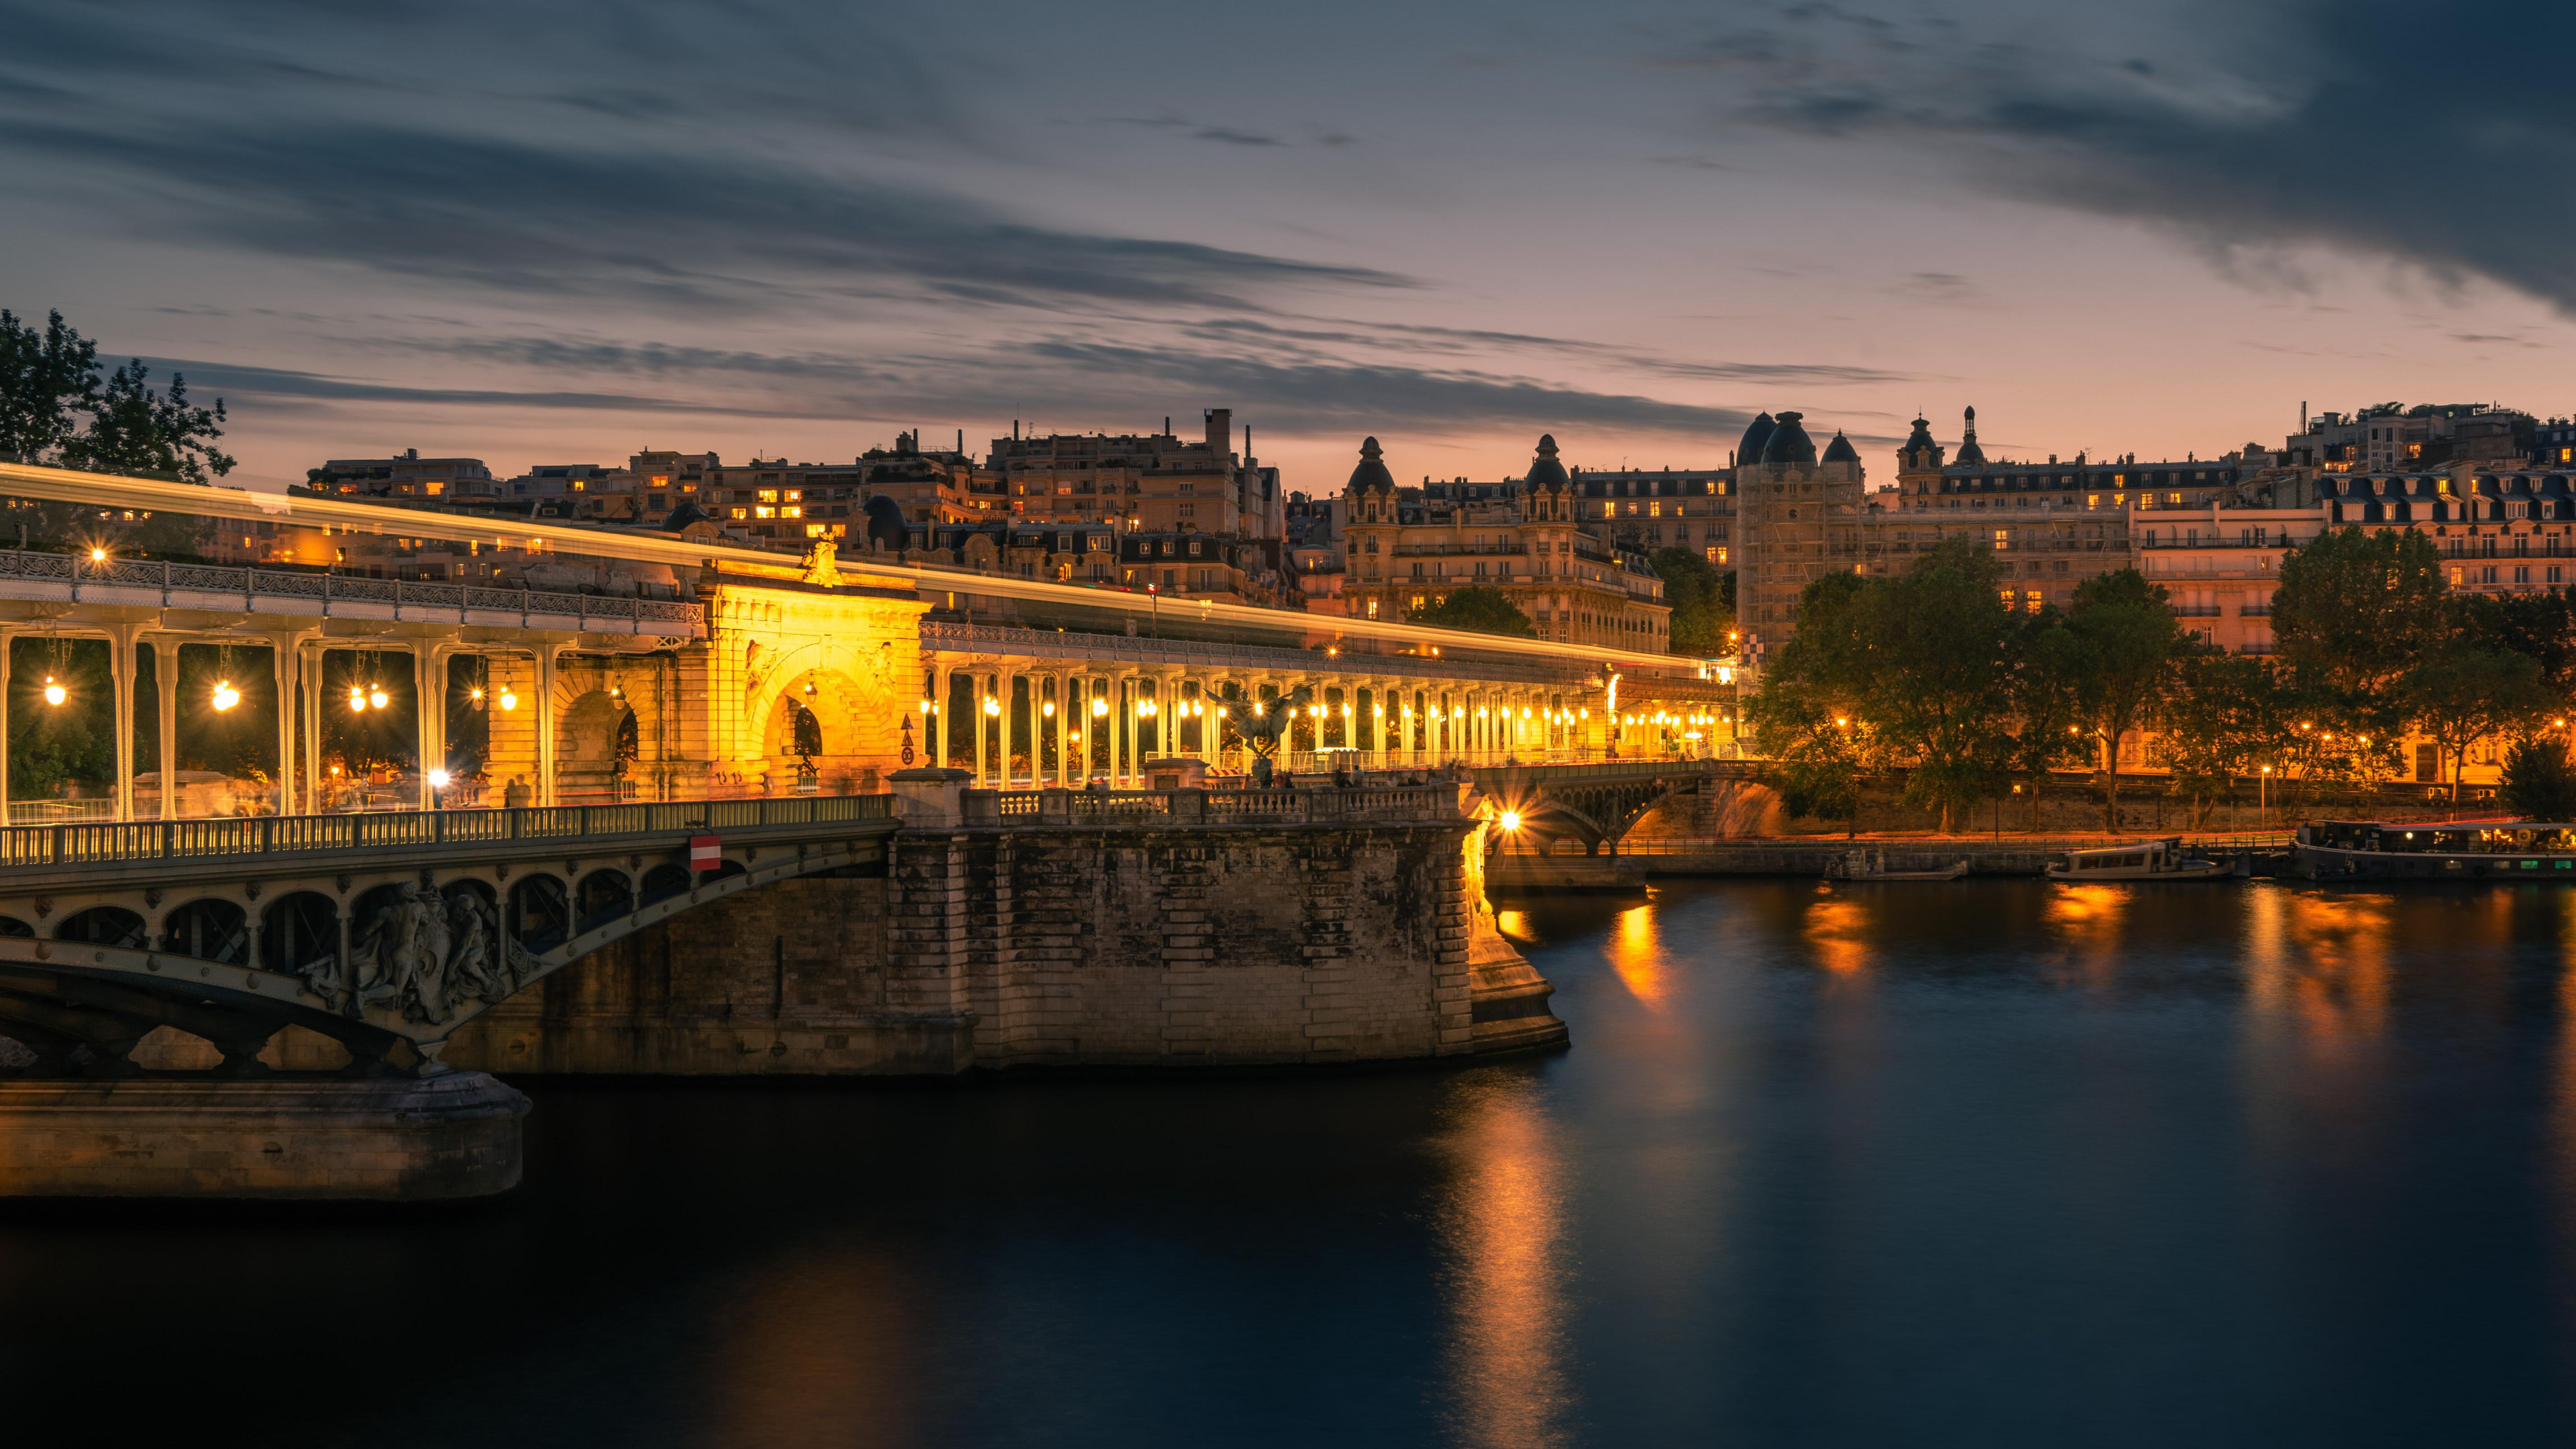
1066 928
313 1006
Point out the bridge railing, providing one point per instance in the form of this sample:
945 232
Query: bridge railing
1208 806
99 842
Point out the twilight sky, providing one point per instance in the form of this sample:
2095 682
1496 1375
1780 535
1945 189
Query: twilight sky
561 231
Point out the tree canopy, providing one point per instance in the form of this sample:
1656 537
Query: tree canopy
56 408
1481 608
2359 608
1702 598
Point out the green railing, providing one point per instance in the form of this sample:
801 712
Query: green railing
260 835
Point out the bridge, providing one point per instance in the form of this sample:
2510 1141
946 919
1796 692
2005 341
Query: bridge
596 664
266 821
377 931
1595 803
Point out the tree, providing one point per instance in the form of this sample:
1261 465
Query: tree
2359 609
1480 608
47 379
2046 705
2125 639
2539 780
1920 666
1703 612
133 429
2222 722
2468 692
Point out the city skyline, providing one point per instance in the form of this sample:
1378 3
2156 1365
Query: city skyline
795 234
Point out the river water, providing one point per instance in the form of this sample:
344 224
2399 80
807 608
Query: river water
1998 1163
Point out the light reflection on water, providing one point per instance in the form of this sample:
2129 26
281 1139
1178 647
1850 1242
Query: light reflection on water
2003 1163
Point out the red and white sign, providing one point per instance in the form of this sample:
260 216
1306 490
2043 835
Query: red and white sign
706 852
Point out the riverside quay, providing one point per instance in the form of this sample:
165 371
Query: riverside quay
296 858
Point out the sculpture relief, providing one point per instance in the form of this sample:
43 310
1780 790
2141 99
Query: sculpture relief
427 955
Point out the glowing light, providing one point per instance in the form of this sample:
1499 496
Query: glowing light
376 697
225 695
509 700
1511 820
98 555
992 706
1099 707
1045 711
357 699
438 779
927 707
475 695
54 693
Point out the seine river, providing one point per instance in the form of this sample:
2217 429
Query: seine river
1999 1163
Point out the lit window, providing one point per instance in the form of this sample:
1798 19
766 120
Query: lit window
762 512
791 512
768 495
795 495
741 513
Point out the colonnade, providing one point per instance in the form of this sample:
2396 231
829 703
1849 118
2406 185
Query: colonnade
1064 711
295 670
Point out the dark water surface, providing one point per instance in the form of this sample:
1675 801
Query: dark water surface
2000 1163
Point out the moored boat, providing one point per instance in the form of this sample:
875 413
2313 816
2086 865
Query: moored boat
2138 860
2436 850
1861 865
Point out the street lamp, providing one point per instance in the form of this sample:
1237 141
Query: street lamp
225 695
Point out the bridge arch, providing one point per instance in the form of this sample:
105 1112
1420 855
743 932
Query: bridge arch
12 926
297 929
540 914
104 926
601 894
663 882
209 928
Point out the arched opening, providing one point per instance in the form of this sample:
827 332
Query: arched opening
539 916
210 930
298 931
12 926
594 748
104 926
665 881
602 896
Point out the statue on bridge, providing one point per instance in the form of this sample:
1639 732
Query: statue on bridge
427 955
1268 728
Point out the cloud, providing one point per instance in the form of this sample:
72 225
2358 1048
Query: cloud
231 381
1945 288
676 229
2348 124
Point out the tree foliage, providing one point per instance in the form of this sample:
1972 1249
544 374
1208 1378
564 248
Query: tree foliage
2359 609
1479 608
134 429
2125 642
1703 604
1918 669
2470 691
48 380
2539 780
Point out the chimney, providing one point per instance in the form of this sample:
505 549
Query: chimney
1167 425
1220 431
2303 417
1247 445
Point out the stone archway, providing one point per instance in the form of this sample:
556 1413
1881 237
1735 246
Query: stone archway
595 738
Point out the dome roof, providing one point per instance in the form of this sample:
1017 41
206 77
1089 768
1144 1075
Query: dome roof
1969 453
1921 437
1756 434
1545 471
1371 473
681 517
1789 442
1840 449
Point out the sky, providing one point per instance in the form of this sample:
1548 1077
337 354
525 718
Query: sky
563 232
